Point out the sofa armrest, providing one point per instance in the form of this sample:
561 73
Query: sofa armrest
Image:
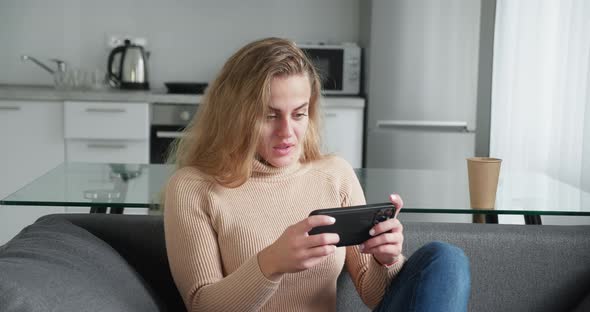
54 265
140 241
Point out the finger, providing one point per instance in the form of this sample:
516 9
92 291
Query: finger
311 262
310 222
320 251
383 239
390 225
397 201
385 250
322 239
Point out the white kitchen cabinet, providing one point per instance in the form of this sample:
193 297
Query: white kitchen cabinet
106 120
31 143
107 151
107 132
342 131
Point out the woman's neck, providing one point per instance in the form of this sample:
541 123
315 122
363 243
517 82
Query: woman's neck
261 168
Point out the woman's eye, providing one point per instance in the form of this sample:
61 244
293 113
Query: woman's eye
300 115
271 117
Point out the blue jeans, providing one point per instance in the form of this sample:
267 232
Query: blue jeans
435 278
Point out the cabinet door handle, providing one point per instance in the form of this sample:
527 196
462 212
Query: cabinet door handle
169 134
106 145
105 110
331 115
450 125
10 108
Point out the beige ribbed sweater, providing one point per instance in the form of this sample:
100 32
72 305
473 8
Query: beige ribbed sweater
213 235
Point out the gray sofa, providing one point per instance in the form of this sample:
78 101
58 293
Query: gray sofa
97 262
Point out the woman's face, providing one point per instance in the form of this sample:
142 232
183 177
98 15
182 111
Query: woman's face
285 125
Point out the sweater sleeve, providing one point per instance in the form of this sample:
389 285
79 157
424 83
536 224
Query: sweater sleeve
369 277
194 257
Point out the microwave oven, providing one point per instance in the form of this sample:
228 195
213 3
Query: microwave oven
339 66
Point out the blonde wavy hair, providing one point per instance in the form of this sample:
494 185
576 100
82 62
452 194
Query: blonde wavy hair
222 138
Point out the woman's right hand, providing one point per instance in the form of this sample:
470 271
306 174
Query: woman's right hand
295 250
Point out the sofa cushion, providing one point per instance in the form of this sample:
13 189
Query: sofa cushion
139 239
53 265
516 267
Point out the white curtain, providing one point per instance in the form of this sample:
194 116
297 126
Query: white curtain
540 117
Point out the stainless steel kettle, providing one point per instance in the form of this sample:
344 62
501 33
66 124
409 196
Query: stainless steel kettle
127 67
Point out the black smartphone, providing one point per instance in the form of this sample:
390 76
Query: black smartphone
354 223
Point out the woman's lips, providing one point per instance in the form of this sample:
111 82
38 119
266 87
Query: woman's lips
283 149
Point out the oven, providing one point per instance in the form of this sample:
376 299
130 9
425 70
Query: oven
168 121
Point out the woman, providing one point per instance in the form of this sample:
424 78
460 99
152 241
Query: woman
249 172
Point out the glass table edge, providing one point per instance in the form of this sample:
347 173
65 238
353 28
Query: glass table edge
156 206
77 204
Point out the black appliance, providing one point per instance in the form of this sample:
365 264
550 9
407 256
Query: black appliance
168 121
186 87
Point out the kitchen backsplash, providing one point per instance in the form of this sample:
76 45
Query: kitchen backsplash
189 40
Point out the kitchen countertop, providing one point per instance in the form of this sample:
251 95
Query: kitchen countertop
49 93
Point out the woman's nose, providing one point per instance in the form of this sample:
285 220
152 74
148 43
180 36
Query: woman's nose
284 128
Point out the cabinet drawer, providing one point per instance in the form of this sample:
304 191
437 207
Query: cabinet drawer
106 120
342 134
107 151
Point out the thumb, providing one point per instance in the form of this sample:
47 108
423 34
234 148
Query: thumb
397 201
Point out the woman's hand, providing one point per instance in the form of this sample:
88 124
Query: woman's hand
386 245
295 250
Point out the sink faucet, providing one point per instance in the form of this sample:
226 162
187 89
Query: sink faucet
61 65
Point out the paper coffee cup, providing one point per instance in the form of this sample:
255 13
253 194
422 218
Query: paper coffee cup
483 175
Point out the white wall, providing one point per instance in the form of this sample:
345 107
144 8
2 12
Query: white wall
585 183
189 39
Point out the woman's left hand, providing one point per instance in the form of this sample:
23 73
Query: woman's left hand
386 245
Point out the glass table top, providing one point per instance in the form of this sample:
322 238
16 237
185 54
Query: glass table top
423 191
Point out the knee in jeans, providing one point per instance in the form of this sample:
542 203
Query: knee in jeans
446 262
447 253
